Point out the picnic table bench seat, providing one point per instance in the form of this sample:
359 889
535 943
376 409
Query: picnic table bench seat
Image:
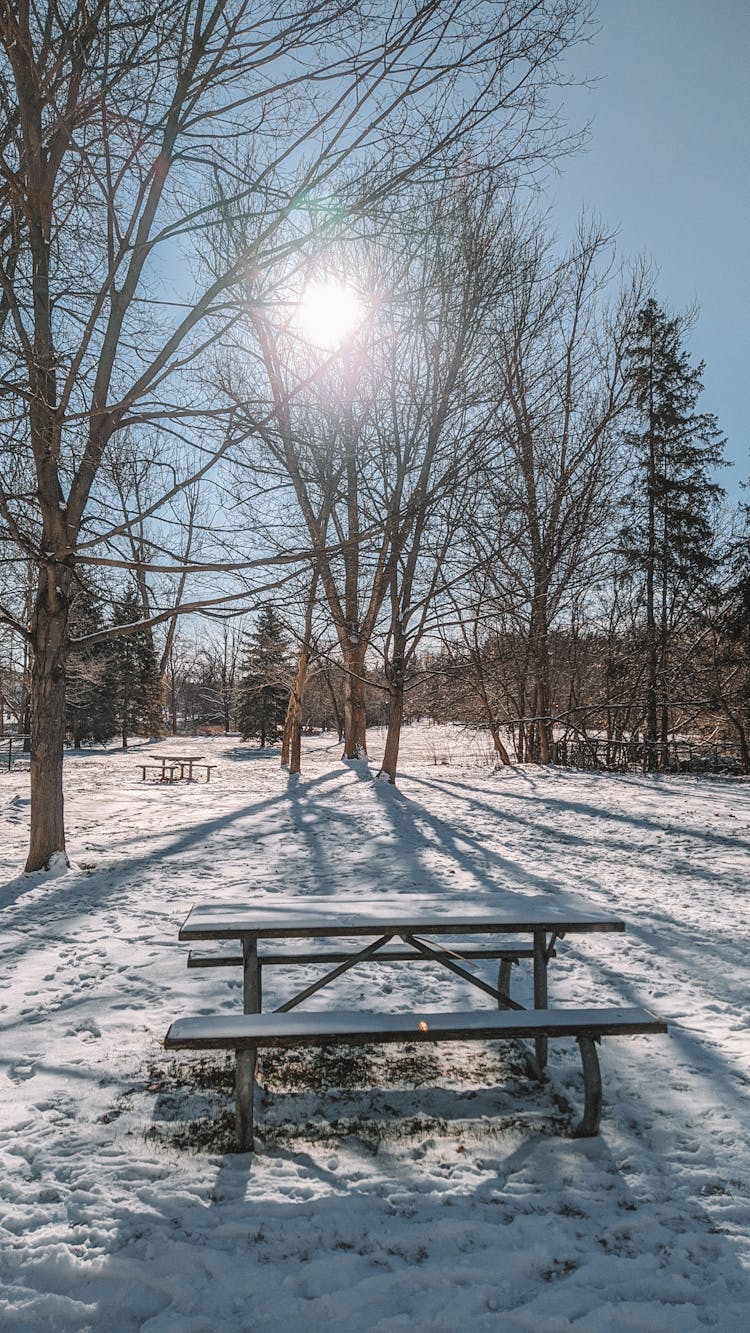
386 955
164 774
245 1034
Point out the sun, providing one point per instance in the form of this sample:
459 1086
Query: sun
328 312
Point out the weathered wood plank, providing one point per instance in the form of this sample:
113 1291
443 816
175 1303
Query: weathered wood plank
352 1027
340 956
540 992
306 918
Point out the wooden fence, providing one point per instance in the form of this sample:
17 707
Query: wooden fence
12 748
676 756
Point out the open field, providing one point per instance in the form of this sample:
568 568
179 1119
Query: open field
446 1195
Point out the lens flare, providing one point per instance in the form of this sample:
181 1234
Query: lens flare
328 313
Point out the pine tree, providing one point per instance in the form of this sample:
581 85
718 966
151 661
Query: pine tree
89 703
734 627
264 690
133 674
668 536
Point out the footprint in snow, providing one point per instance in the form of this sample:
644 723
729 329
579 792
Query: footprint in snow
86 1029
22 1070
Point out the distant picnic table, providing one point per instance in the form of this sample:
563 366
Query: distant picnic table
176 767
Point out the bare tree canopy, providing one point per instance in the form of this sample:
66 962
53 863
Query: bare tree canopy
127 128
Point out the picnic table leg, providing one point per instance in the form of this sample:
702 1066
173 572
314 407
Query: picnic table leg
503 977
540 991
246 1059
245 1076
592 1086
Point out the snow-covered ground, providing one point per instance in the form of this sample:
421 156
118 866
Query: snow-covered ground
436 1188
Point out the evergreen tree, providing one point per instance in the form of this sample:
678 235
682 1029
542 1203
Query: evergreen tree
90 715
734 628
668 537
133 674
264 690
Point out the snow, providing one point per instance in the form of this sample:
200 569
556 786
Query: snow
353 1022
433 1188
404 912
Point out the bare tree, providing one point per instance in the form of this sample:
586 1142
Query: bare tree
124 123
561 395
434 421
218 667
377 455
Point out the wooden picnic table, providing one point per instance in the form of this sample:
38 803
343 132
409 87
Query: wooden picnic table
428 929
181 761
172 763
398 929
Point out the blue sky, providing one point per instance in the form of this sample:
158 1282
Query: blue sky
667 164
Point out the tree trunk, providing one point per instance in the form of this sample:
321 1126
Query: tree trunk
291 745
395 719
652 648
742 734
334 705
521 742
664 650
544 725
355 714
26 724
173 699
541 687
50 631
744 748
489 713
500 749
125 713
295 738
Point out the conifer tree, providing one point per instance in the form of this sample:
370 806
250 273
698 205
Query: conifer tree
264 690
668 534
133 673
90 713
734 635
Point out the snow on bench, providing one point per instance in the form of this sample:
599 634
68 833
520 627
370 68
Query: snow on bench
245 1034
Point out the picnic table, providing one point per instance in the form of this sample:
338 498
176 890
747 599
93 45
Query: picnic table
173 764
382 920
397 929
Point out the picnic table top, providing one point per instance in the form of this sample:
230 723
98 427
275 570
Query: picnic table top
318 916
178 758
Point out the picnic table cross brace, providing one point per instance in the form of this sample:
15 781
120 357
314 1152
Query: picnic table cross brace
359 957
